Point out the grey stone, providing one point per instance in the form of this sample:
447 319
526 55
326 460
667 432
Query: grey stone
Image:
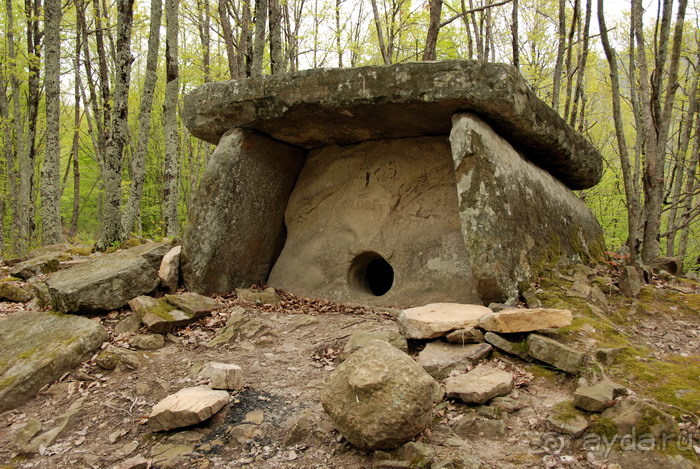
379 397
438 319
267 296
13 291
313 108
128 325
235 226
630 282
361 339
530 298
163 315
113 357
108 281
440 358
598 297
38 348
186 407
554 353
525 320
469 335
672 265
63 423
479 385
607 355
169 271
147 341
598 397
472 426
519 349
42 264
509 404
640 418
30 429
567 421
223 375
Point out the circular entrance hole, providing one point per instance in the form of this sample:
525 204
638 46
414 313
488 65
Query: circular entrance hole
370 273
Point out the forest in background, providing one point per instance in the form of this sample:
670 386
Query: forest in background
93 148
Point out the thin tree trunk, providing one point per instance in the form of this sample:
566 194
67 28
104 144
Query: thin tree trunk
575 26
692 185
276 56
245 47
430 51
582 60
259 44
172 138
75 148
138 160
227 32
561 45
514 32
50 174
204 26
338 33
104 118
111 206
380 34
7 150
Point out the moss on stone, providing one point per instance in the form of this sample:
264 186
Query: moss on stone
565 411
604 426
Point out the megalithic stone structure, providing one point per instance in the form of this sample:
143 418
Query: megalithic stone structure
389 185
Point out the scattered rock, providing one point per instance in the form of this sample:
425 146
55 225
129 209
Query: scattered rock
164 315
109 281
630 416
479 385
598 297
598 397
169 271
519 349
38 348
437 319
554 353
630 282
13 291
169 455
440 358
470 335
147 341
31 429
64 422
509 404
525 320
223 375
567 420
379 397
472 426
186 407
298 428
267 296
135 462
361 339
194 304
42 264
112 357
530 298
128 325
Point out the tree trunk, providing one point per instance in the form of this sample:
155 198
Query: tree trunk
245 47
430 51
575 26
259 44
75 147
172 137
692 186
561 46
50 174
514 31
338 33
105 116
204 26
227 33
276 56
581 67
112 168
380 34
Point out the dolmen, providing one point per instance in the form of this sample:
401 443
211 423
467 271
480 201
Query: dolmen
386 185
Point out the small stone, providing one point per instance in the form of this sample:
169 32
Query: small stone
169 272
193 304
525 320
530 298
361 339
438 319
418 454
509 404
135 462
630 282
64 422
267 296
223 375
565 419
598 297
554 353
472 426
12 291
147 341
470 335
298 428
479 385
163 453
256 416
607 356
128 325
31 429
440 358
634 416
186 407
519 349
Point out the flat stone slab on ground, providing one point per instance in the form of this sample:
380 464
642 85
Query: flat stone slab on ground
479 385
165 314
525 320
186 407
362 339
519 349
438 319
314 108
470 335
38 348
598 397
554 353
440 358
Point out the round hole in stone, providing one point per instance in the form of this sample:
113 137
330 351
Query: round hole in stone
370 273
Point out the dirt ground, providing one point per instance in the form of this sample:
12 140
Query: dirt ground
276 420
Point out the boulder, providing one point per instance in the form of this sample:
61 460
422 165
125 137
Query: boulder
169 271
13 291
554 353
479 385
38 348
361 339
186 407
164 315
235 228
223 375
470 335
314 108
109 281
438 319
630 282
379 398
598 397
440 358
41 264
525 320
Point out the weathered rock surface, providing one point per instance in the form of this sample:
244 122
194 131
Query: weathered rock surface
38 348
630 282
641 418
554 353
147 341
479 385
598 397
438 319
519 349
267 296
186 407
545 219
568 423
440 358
379 397
525 320
314 108
169 271
235 227
362 339
63 423
163 315
223 375
109 281
12 291
469 335
376 223
41 264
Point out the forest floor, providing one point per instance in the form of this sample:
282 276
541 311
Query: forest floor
277 420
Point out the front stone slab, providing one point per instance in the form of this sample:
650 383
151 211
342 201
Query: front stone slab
376 223
235 226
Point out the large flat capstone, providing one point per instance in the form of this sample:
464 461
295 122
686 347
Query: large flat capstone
320 107
38 348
